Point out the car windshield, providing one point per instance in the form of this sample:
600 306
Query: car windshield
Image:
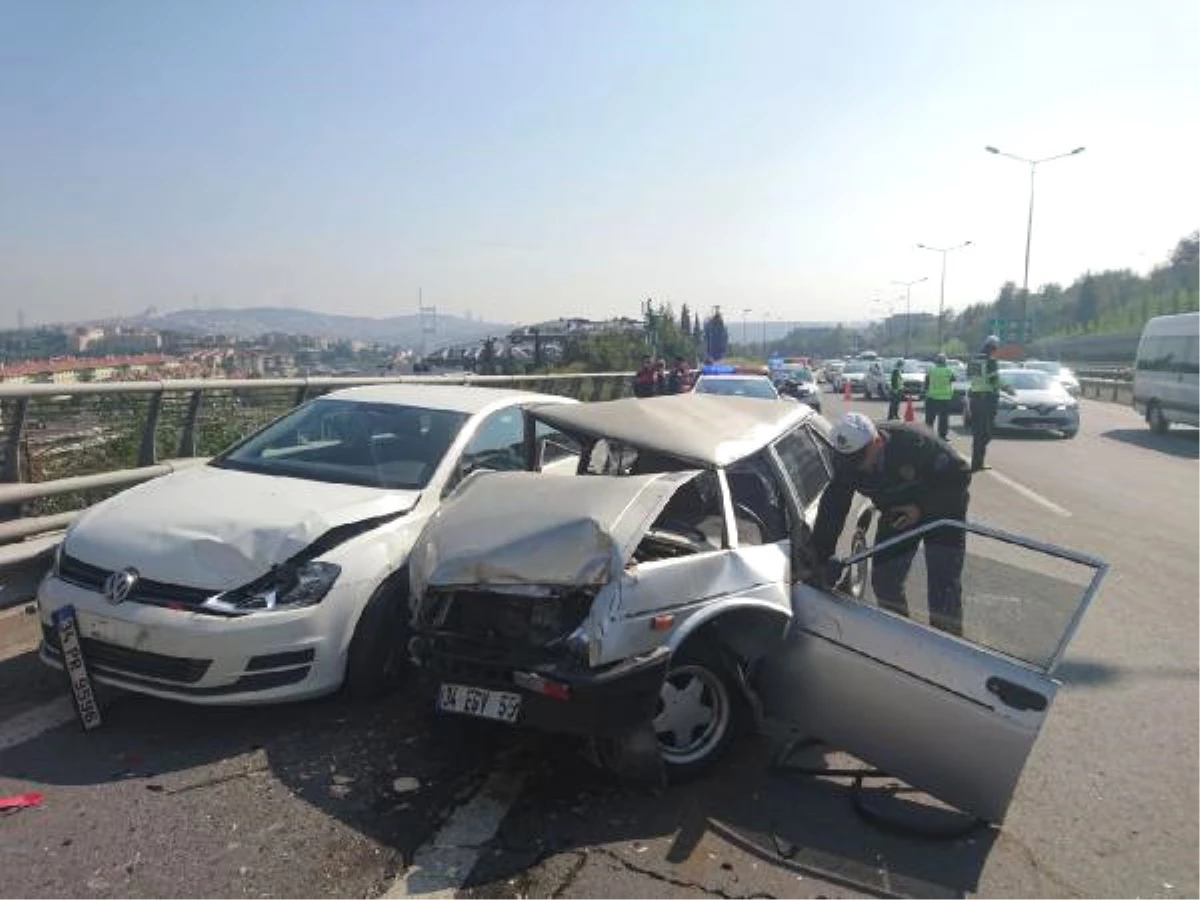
758 387
913 365
380 445
796 373
1051 367
856 367
1027 379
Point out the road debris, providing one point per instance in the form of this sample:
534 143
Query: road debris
21 801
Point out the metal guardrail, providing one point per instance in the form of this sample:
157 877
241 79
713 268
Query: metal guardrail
1110 389
1113 372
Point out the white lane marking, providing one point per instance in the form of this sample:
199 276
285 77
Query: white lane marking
442 865
1031 494
27 725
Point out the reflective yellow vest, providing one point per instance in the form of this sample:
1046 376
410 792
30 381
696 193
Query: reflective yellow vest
941 381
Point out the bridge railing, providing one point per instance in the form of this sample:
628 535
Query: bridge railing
65 446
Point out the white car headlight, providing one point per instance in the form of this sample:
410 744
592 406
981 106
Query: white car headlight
285 587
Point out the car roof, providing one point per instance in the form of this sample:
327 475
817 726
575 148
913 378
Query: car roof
452 397
700 428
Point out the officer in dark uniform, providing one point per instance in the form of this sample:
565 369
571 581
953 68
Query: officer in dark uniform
913 477
983 398
897 390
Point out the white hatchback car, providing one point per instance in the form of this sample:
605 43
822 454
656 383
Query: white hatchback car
278 571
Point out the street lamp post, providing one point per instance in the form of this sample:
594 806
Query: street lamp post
766 316
942 296
745 315
1033 164
908 311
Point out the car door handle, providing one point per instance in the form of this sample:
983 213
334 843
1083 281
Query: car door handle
1014 695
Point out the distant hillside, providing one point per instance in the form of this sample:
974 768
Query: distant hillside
248 323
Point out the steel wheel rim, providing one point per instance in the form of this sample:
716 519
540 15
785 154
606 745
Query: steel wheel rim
693 714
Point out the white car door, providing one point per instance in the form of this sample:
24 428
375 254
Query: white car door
955 717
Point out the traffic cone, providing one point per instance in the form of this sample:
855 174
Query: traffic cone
846 390
910 414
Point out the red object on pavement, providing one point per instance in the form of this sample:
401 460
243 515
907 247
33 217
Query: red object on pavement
910 414
21 801
846 391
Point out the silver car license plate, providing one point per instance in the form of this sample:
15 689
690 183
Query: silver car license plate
500 706
66 625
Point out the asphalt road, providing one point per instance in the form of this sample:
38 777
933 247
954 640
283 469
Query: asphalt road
333 799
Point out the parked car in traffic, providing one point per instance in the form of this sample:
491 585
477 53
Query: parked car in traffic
670 593
1057 371
278 570
878 380
735 385
1166 378
798 383
854 373
1039 403
830 372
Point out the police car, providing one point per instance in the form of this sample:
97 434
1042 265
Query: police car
736 381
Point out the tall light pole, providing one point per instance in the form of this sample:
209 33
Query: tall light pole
766 315
908 311
745 315
942 295
1033 164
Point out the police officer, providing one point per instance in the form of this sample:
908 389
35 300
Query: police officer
897 388
939 391
913 478
984 397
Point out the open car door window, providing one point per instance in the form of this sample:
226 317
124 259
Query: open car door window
953 716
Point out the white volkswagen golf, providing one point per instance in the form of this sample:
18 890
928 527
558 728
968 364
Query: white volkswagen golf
278 571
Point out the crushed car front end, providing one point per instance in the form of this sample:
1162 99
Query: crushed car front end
509 605
522 658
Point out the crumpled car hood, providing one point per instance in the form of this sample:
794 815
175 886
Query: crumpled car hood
216 528
517 528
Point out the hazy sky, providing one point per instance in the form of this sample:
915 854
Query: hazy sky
524 160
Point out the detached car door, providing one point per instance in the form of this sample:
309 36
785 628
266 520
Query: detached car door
953 716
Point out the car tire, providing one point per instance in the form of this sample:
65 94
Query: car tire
378 657
1158 423
1071 433
854 581
701 711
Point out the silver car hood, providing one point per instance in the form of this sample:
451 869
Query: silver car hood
518 528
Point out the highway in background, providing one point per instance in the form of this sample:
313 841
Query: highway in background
331 799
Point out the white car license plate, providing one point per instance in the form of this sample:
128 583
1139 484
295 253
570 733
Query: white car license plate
472 701
66 624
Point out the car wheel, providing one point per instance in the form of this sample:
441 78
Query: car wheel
1159 423
700 712
854 581
378 657
1070 434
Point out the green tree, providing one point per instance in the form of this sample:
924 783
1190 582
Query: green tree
716 336
1087 309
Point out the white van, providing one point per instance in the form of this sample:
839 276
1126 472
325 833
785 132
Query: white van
1165 387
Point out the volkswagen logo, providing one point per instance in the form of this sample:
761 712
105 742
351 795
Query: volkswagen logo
118 585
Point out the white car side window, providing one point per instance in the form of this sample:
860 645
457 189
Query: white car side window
498 444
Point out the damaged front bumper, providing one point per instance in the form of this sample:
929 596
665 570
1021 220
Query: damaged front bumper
560 696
